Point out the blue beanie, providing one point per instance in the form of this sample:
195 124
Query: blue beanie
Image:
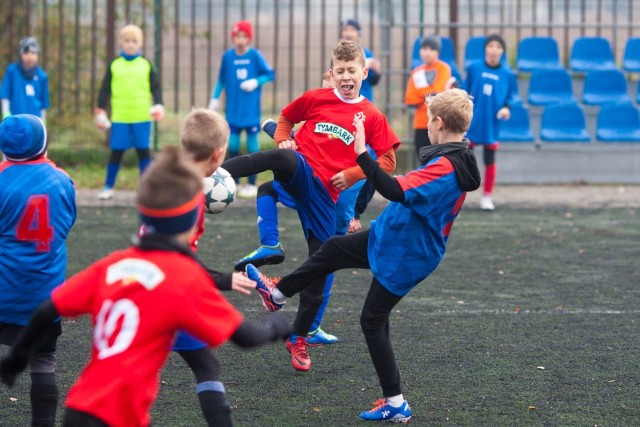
350 22
22 137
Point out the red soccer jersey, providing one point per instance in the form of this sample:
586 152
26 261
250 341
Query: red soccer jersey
138 300
326 137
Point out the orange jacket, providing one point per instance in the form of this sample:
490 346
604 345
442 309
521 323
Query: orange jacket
425 79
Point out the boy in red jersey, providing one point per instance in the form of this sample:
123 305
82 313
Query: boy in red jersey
320 162
138 299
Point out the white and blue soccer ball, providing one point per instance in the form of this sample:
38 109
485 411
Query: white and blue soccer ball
219 191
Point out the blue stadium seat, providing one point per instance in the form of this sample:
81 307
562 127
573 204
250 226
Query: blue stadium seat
631 59
517 128
536 53
605 86
591 53
618 123
448 55
474 50
564 123
550 86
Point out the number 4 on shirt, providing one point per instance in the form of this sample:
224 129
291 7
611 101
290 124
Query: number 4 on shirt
34 224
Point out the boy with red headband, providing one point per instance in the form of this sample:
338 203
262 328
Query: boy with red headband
243 71
138 299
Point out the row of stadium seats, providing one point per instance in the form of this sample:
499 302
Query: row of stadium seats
600 87
535 53
565 122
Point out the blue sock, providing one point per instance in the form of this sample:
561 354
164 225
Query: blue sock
325 301
252 147
143 163
112 172
267 220
234 153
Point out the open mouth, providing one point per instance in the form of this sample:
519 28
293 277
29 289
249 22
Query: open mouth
347 88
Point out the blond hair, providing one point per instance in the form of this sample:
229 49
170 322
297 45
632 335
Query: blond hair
202 133
169 181
132 31
346 50
454 107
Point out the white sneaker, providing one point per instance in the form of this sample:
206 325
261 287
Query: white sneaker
105 194
248 191
486 204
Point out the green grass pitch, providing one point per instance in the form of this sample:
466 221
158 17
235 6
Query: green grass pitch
531 320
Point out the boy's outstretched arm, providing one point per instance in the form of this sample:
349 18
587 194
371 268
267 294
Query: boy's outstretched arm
273 327
16 360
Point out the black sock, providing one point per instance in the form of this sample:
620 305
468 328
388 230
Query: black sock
215 408
44 401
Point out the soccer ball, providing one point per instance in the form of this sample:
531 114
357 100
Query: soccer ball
219 191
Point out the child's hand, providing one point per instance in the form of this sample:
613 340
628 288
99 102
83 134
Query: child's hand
354 225
213 104
102 121
359 144
504 113
249 85
157 112
241 283
339 181
288 143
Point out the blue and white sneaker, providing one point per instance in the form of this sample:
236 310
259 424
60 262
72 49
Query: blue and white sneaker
264 255
382 411
320 337
264 286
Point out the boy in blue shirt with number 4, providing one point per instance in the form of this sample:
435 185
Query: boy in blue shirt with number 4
404 245
243 71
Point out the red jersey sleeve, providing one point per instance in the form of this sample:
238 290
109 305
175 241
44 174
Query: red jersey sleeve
76 296
208 315
296 111
379 135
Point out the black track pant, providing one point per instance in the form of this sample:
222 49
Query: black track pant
341 252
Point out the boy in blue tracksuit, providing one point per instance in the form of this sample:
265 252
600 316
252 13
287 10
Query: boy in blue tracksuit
350 30
243 71
38 208
492 84
404 245
25 86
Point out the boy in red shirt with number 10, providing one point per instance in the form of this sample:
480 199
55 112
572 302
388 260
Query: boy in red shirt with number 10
320 163
138 299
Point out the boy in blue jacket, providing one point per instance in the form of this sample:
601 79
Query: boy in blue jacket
404 245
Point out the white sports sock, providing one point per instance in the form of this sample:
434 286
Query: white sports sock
396 401
278 297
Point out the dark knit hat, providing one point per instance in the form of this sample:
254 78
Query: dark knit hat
432 42
28 44
23 137
244 26
495 38
351 23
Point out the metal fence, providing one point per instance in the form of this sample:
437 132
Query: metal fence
186 40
